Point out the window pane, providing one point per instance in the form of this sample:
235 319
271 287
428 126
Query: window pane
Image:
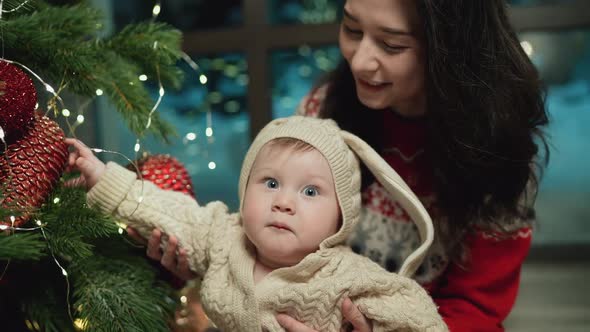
294 73
562 204
186 15
224 94
305 11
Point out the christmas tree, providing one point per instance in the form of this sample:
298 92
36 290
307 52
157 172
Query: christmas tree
63 265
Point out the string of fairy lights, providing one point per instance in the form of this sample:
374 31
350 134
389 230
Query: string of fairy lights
57 106
51 106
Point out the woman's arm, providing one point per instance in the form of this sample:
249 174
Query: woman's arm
481 295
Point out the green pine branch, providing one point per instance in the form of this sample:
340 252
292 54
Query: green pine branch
126 282
112 286
62 45
17 246
71 225
21 246
137 41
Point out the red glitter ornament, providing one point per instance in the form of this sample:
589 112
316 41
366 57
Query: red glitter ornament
165 172
18 98
31 167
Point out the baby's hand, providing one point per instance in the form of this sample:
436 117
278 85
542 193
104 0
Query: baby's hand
83 160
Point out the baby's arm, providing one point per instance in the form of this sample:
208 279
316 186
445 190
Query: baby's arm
142 205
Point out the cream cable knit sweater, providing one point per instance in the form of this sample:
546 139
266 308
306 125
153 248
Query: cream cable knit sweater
311 291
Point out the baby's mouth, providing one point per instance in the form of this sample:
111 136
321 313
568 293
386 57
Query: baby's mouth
280 226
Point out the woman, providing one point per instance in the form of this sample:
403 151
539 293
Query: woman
444 91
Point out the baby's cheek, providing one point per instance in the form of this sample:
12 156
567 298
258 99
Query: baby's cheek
247 226
246 216
251 217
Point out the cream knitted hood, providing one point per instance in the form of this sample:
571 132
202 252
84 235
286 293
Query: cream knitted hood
341 149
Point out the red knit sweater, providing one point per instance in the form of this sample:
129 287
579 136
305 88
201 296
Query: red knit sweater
474 297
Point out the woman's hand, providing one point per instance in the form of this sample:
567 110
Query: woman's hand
350 312
355 317
176 264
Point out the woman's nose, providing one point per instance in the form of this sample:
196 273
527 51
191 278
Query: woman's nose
364 58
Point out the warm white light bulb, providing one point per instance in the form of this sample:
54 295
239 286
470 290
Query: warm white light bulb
80 324
156 10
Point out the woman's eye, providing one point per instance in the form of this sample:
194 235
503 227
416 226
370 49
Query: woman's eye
393 48
272 183
350 31
310 191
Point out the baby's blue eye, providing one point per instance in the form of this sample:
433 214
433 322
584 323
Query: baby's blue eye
272 183
310 191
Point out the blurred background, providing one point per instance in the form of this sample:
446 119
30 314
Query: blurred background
255 59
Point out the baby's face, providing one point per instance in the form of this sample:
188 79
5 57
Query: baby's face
290 205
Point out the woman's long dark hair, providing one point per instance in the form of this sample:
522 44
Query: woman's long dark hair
486 107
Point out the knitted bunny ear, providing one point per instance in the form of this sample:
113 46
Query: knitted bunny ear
396 186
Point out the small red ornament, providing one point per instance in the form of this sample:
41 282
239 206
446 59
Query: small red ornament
18 98
31 167
165 172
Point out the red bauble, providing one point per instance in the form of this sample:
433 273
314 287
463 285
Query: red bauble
18 98
31 167
165 172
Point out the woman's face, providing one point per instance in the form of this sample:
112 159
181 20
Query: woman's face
382 43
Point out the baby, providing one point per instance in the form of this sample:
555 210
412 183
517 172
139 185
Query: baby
285 251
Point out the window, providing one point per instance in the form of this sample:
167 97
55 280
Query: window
304 11
562 206
186 15
294 72
268 54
